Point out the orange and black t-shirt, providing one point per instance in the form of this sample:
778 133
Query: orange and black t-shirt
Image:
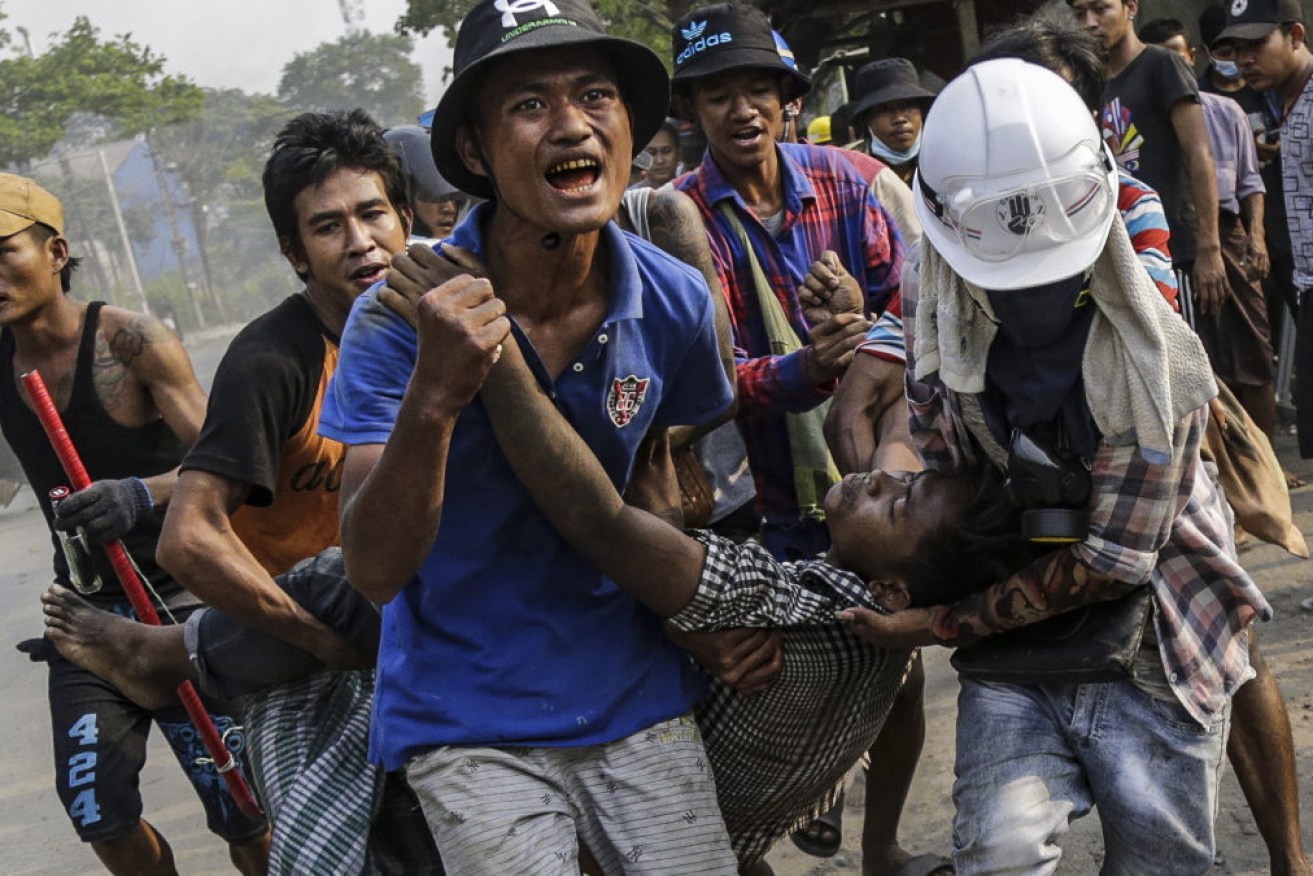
261 428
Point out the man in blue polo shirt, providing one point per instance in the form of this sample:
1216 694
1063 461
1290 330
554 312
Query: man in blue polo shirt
528 698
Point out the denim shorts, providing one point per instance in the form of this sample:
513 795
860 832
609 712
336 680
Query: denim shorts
1030 758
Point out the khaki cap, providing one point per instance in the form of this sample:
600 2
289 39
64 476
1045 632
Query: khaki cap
24 203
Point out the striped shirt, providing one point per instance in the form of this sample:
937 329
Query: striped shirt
827 206
1146 223
780 756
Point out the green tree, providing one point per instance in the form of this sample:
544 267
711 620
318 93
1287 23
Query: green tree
373 71
119 81
646 21
218 157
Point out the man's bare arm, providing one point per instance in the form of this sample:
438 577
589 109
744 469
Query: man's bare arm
653 560
1252 209
1209 281
199 547
156 361
392 495
676 227
866 427
1048 587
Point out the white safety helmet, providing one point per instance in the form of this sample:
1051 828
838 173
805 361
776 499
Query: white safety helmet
1014 187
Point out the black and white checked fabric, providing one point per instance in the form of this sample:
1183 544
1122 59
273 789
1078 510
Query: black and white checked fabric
779 756
309 743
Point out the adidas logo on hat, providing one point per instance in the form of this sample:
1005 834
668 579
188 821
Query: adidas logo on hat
697 42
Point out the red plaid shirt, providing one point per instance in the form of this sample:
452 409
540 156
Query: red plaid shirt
827 205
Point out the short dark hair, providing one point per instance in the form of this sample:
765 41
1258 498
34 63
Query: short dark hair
1051 39
311 147
972 550
43 233
669 127
1160 30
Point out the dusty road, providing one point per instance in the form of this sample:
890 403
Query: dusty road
35 836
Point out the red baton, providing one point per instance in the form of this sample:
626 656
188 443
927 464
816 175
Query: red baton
224 760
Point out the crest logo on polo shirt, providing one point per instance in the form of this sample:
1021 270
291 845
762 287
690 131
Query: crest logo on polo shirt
625 398
509 8
1238 7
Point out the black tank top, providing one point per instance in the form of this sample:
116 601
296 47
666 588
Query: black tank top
108 450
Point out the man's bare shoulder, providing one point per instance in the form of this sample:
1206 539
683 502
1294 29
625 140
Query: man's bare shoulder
670 207
134 352
127 334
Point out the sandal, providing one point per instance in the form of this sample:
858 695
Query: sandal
829 830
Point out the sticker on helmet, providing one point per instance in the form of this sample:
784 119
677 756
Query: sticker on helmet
1021 213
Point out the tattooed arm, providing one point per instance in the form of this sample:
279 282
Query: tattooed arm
1134 507
141 372
676 227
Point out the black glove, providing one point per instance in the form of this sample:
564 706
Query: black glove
106 510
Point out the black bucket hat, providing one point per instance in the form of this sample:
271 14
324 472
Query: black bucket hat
496 29
885 81
728 36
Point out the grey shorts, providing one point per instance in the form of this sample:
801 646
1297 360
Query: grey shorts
642 804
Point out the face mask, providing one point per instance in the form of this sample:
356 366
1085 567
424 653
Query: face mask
1036 317
1034 365
889 156
1228 70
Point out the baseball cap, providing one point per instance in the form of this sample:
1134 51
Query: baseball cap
496 29
1255 19
727 36
23 203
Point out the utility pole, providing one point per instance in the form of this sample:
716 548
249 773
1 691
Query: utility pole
175 233
123 232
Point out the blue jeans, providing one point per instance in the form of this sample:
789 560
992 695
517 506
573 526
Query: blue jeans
1032 758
